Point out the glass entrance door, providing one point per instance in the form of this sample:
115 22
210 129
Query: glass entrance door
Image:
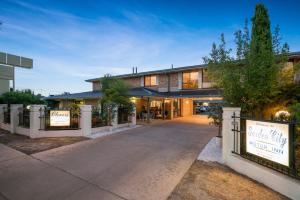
176 108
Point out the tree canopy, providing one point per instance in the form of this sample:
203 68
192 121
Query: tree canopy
250 78
115 94
25 97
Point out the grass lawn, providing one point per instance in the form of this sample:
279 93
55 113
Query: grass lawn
211 181
31 146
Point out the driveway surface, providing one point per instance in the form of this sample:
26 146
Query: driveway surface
142 163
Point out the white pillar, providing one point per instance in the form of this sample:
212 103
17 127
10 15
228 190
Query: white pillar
2 107
227 133
133 116
35 120
14 116
86 119
114 121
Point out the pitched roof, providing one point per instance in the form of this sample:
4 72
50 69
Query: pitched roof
173 70
162 71
81 95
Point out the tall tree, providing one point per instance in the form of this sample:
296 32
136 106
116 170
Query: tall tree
276 40
260 79
251 79
246 39
239 44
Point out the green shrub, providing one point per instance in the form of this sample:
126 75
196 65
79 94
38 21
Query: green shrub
25 97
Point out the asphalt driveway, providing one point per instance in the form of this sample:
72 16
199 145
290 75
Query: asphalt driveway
142 163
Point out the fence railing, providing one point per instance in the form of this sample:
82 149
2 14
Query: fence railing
123 116
45 119
97 119
24 117
6 114
240 146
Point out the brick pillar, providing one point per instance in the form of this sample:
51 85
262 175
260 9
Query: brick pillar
227 133
86 119
14 116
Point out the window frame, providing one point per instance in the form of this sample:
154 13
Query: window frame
150 76
189 81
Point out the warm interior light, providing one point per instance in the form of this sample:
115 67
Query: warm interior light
133 99
205 104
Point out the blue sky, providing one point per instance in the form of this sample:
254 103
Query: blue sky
74 40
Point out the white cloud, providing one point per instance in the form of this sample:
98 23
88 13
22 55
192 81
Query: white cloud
68 49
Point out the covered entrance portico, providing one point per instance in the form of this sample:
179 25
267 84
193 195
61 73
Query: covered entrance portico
170 105
158 108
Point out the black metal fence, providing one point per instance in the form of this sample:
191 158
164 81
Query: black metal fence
240 146
45 118
123 116
6 114
97 118
24 117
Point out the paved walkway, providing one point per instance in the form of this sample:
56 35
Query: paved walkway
142 163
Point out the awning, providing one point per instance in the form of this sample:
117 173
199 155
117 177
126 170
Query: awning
142 92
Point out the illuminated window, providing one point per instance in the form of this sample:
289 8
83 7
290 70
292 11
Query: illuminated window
189 80
151 80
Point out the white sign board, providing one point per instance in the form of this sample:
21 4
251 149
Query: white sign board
268 140
59 118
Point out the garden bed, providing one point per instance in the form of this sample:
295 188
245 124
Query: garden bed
210 181
31 146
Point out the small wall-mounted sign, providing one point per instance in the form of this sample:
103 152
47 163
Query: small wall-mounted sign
59 118
268 140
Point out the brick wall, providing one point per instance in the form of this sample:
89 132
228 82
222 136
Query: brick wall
133 82
96 86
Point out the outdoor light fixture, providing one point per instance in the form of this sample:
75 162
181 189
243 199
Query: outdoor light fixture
282 113
133 99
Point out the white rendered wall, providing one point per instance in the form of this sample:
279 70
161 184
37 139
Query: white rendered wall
281 183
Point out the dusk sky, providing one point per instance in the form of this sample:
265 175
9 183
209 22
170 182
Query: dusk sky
74 40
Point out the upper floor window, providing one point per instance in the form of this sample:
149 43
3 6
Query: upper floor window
151 80
189 80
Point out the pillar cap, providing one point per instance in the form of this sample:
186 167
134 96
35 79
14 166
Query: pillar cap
85 107
231 108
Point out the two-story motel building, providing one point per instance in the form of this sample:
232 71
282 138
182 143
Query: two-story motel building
168 93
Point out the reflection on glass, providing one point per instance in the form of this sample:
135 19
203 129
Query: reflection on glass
190 80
